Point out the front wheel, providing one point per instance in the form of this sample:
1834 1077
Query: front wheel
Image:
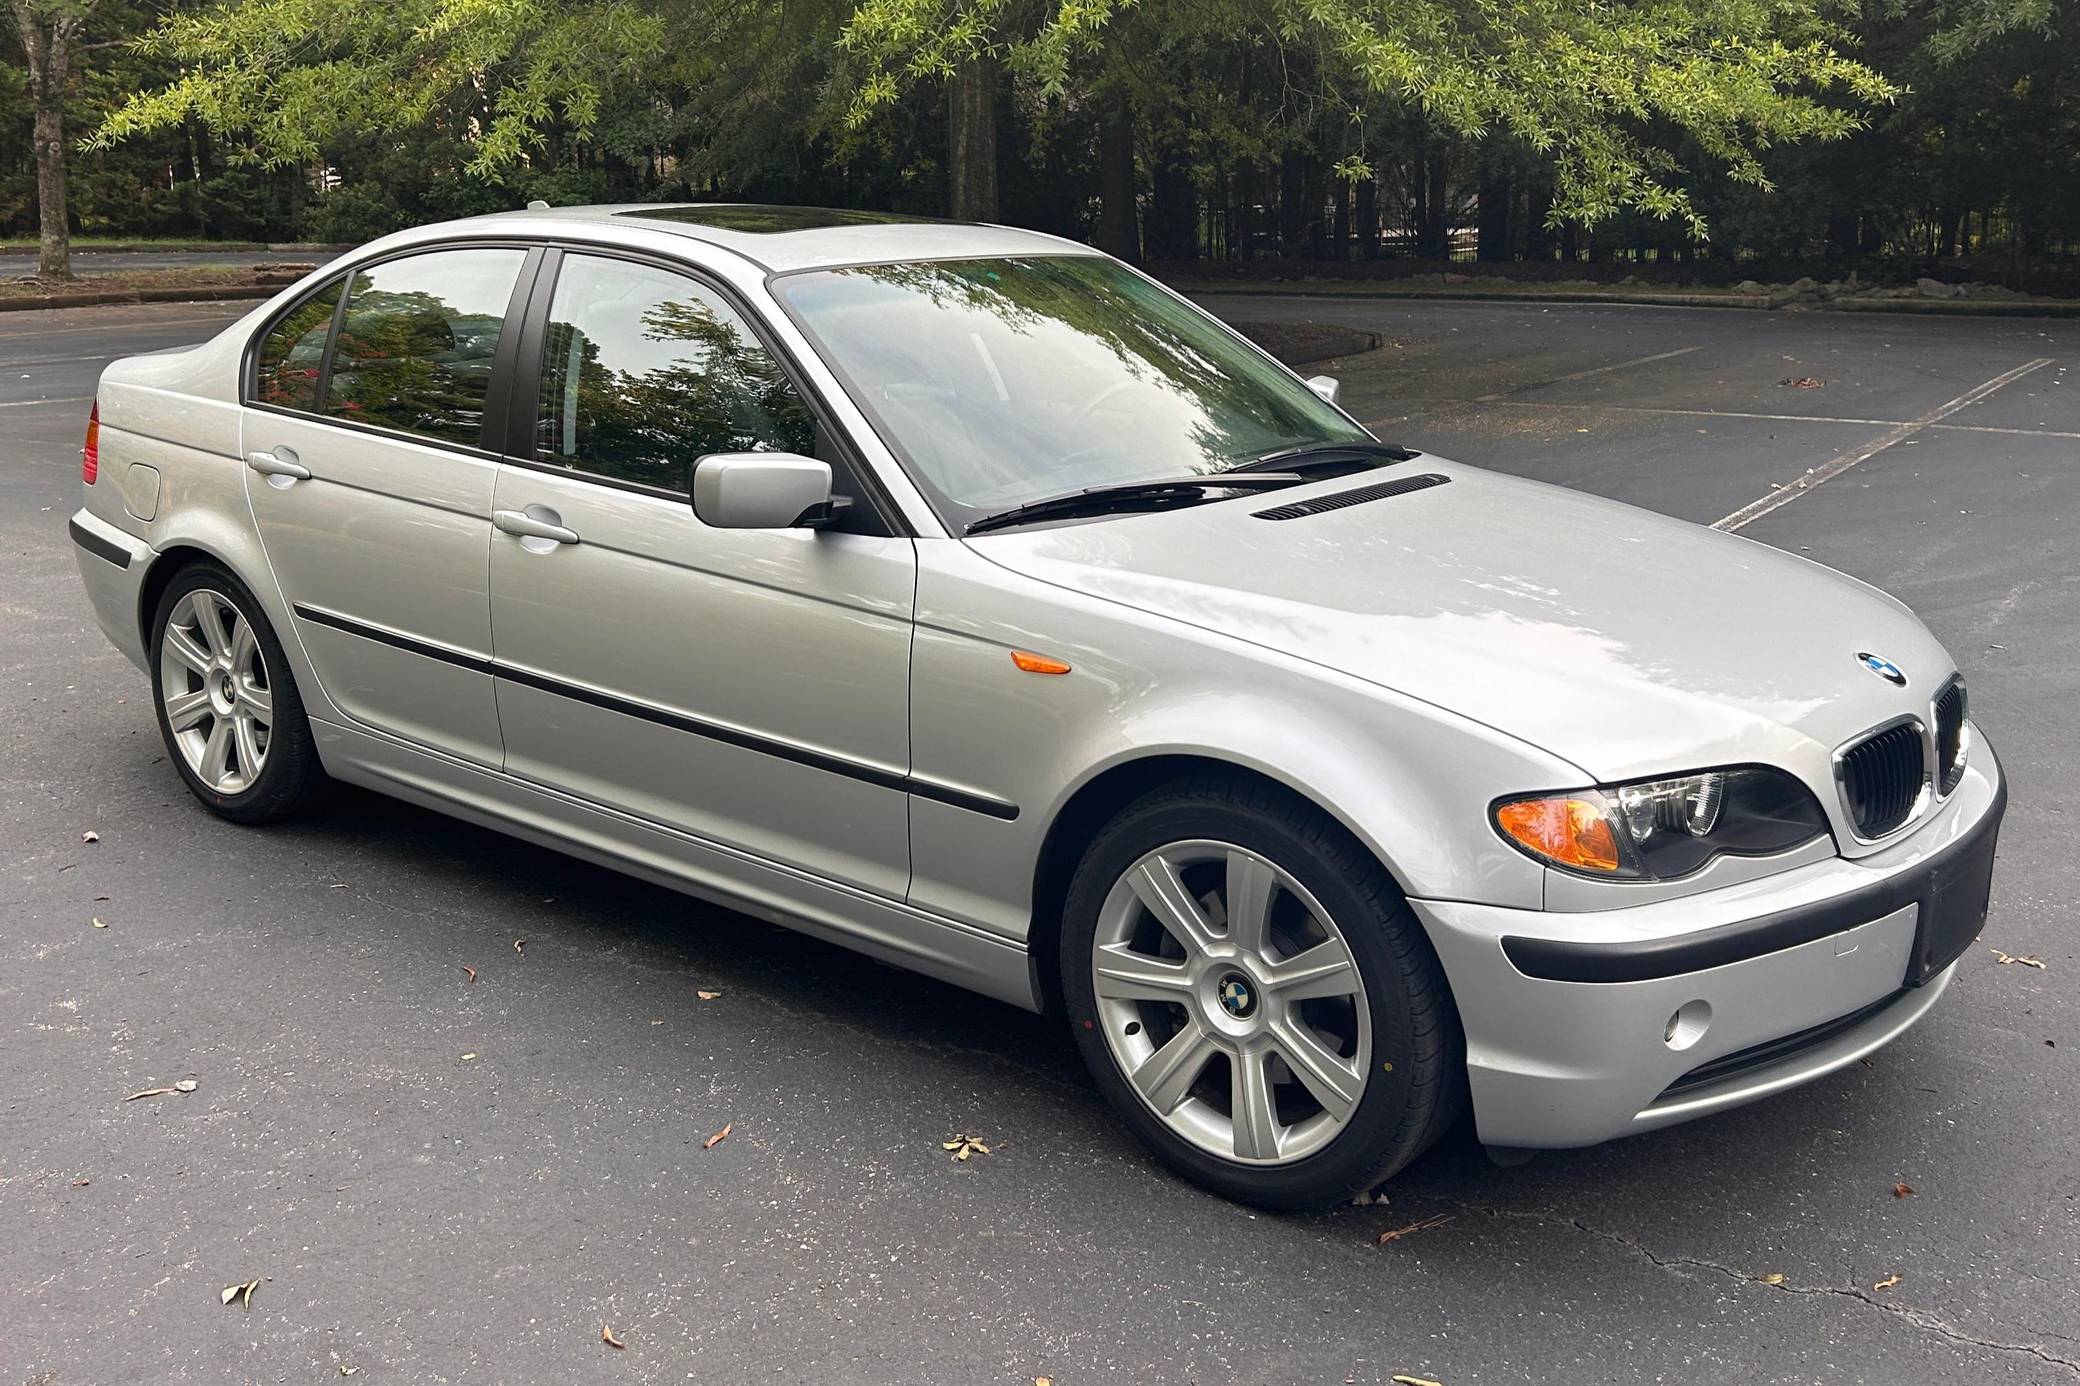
1251 991
228 707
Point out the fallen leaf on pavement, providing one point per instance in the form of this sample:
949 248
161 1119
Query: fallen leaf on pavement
349 1371
707 995
1773 1278
1888 1282
606 1335
2026 959
81 1183
243 1293
467 1057
1043 1381
1395 1234
964 1146
184 1085
520 946
1902 1190
1802 382
90 837
470 970
719 1137
98 924
1414 1381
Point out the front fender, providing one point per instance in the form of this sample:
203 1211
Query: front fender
1411 781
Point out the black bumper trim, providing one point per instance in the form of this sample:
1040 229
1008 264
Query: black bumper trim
1563 960
1776 1051
97 546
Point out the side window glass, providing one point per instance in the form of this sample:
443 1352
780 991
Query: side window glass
645 371
293 352
416 346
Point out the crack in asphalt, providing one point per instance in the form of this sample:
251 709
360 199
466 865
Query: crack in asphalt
1919 1318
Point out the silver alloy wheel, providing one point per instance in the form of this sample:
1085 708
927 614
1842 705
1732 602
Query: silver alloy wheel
1231 1002
214 684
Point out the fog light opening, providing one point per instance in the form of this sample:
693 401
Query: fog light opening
1687 1026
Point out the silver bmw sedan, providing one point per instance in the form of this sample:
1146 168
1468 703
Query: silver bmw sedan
959 594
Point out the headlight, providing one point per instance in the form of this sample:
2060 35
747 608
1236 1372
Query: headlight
1662 829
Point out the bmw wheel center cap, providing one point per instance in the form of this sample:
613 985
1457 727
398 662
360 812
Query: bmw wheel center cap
1238 997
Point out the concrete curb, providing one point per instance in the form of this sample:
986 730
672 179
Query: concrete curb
197 294
1963 307
193 247
1766 302
1762 302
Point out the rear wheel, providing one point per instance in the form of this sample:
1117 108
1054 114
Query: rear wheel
228 708
1253 994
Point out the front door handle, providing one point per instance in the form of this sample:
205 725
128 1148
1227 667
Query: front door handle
280 462
536 522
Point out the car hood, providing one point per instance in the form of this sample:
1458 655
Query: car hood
1621 640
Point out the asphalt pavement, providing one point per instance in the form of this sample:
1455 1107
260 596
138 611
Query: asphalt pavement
444 1176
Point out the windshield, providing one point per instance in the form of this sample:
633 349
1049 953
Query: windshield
1004 381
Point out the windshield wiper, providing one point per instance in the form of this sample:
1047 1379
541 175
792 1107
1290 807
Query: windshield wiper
1096 500
1334 458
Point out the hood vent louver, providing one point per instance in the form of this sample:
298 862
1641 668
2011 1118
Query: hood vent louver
1357 495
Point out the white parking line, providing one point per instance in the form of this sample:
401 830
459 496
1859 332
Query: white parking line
32 403
1594 370
1842 462
1767 418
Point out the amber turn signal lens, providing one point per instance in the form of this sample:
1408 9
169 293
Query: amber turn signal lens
1037 664
1572 831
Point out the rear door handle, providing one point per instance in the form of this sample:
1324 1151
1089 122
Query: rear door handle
280 462
528 526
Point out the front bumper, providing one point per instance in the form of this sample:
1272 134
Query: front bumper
1657 1013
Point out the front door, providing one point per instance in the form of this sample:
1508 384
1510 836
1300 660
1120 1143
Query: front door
372 492
746 686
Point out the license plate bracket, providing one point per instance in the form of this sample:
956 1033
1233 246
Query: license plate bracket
1952 908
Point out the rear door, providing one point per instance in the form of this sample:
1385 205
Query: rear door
747 686
371 481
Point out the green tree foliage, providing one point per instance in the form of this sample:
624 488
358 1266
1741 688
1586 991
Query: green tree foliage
1170 129
1595 87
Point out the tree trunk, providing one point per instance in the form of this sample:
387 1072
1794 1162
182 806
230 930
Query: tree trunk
1173 213
971 140
1493 225
1119 230
1538 205
1367 214
1292 202
1340 236
1434 235
47 41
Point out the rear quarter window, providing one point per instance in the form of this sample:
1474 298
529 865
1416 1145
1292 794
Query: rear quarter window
293 353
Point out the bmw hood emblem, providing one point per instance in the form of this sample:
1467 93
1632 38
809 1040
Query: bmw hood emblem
1883 668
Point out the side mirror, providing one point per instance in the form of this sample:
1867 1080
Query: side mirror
762 490
1324 385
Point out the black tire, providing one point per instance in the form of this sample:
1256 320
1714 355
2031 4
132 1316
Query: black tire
1416 1085
291 778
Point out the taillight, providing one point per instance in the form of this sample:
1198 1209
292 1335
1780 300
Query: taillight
90 451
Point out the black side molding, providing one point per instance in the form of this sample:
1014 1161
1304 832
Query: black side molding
692 726
1562 960
96 545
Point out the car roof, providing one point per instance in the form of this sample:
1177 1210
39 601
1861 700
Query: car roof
780 238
